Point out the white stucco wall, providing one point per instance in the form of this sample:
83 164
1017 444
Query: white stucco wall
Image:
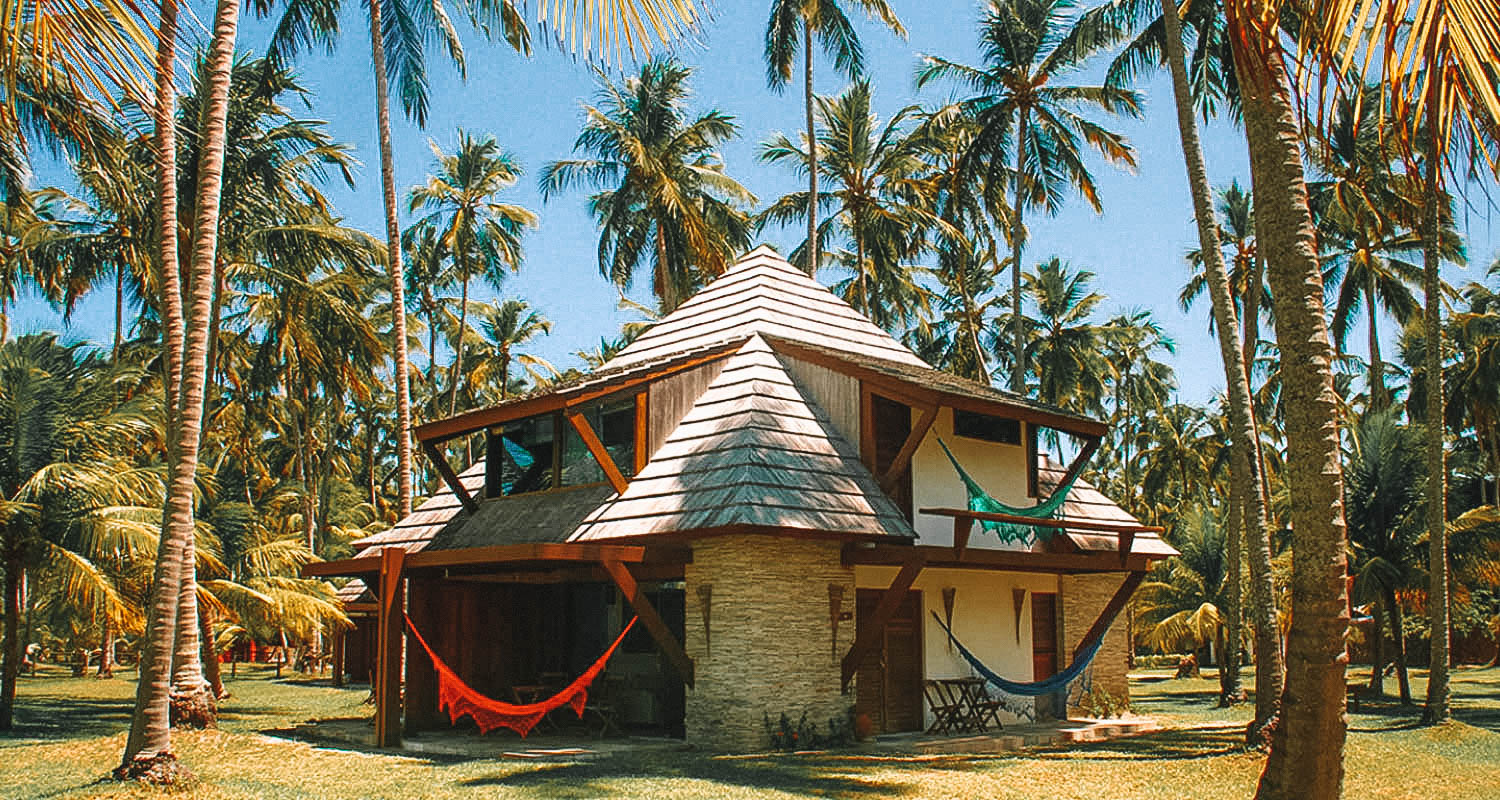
999 468
984 618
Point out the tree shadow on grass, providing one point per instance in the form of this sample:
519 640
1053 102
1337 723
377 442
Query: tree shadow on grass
826 775
56 718
1173 744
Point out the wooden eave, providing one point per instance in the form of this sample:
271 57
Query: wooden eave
442 430
939 556
535 554
915 394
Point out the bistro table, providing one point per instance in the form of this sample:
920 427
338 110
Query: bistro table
976 710
528 693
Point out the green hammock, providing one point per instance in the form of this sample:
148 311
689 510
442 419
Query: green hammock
980 500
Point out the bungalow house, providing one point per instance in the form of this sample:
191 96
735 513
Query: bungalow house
761 478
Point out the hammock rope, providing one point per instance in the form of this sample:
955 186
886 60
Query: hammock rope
459 699
981 501
1055 683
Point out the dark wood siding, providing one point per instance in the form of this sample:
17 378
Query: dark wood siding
889 681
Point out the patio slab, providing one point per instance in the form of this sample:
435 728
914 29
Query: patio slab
1016 737
468 744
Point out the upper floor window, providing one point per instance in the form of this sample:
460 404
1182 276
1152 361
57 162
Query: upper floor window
1000 430
546 451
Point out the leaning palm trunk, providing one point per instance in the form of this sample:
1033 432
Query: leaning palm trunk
458 347
210 653
192 699
148 750
1230 690
393 253
1436 709
1244 442
1398 632
1307 743
812 150
1017 234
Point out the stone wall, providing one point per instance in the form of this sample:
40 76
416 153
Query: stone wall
1083 597
769 646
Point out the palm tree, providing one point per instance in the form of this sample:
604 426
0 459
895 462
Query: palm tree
1025 107
64 421
1247 502
481 236
662 190
1183 603
1449 106
1384 508
603 29
826 20
871 168
148 749
1065 348
503 328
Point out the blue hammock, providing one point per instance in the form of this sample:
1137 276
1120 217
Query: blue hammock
1056 683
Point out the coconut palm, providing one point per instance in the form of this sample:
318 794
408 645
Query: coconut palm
871 168
1382 472
1028 109
481 236
1066 347
663 195
1161 40
826 20
65 418
503 328
1182 605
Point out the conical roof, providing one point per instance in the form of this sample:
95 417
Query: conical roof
753 452
764 294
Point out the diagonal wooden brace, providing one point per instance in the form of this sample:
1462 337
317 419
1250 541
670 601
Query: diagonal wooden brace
681 661
1110 611
868 632
450 477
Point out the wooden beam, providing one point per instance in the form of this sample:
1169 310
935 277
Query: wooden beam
554 575
642 430
478 419
961 528
1081 460
867 427
1127 538
868 632
596 449
390 632
1033 484
1111 610
991 559
508 554
658 629
908 448
1061 524
902 388
450 477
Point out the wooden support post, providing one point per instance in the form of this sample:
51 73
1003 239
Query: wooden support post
1033 485
420 698
867 426
908 448
868 632
340 643
961 528
596 448
450 477
680 660
1127 539
1080 461
1110 611
642 430
392 624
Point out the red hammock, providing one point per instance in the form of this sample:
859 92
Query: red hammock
459 699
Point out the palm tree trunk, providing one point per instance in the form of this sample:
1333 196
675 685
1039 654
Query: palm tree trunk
1244 471
1377 652
665 291
10 671
1230 688
393 253
192 699
813 257
1251 315
458 347
1017 233
1377 365
119 308
107 649
864 291
210 654
1307 744
148 750
1436 710
1398 632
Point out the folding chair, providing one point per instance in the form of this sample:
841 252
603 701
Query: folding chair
947 711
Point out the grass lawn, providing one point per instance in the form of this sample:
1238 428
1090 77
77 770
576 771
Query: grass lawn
72 731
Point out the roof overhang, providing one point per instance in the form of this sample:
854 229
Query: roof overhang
938 556
518 556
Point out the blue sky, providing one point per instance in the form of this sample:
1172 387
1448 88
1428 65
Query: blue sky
532 108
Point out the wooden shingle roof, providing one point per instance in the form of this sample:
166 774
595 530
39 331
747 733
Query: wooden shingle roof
753 451
1088 503
417 529
764 294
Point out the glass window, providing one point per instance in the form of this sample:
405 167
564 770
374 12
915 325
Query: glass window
526 454
613 422
986 427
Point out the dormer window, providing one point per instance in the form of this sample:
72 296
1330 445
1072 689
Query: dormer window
547 451
986 427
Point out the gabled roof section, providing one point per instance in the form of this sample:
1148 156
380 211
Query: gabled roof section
764 294
752 452
1088 503
415 530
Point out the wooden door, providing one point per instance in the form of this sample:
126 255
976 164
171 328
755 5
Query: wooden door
889 680
1044 647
